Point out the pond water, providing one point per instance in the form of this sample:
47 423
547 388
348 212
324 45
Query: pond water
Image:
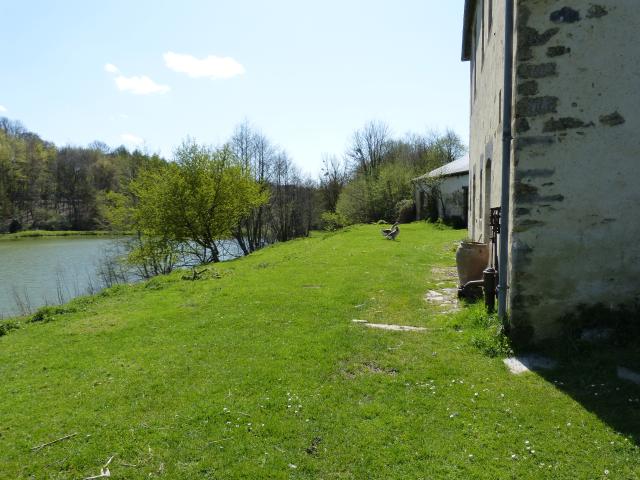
53 270
50 270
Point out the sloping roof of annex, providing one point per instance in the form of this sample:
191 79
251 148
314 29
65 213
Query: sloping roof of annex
457 167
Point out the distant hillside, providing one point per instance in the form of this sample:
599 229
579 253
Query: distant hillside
46 187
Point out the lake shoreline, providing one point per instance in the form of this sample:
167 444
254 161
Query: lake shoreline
59 233
45 270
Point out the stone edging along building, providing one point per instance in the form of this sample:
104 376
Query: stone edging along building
571 236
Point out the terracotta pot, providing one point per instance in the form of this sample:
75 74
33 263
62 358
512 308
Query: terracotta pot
471 259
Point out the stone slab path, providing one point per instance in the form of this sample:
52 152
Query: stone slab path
445 299
527 363
387 326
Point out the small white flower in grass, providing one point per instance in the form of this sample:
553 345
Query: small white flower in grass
526 442
514 456
606 472
471 455
291 465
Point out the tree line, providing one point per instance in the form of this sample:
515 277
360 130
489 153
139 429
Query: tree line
374 179
50 188
247 191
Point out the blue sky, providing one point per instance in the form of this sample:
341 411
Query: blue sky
307 73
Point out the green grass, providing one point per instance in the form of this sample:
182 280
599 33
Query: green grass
259 372
52 233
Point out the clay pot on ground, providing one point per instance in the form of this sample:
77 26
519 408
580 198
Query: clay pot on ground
471 259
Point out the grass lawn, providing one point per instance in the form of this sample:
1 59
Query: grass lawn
259 372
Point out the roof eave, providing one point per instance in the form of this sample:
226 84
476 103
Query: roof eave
469 8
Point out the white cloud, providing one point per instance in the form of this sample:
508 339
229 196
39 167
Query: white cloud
3 109
138 85
212 67
141 85
111 68
131 139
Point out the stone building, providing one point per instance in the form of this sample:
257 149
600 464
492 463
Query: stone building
444 193
566 144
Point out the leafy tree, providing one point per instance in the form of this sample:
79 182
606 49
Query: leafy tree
198 200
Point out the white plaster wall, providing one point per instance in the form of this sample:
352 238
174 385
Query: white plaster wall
452 193
451 190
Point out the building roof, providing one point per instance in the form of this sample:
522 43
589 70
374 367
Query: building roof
457 167
467 33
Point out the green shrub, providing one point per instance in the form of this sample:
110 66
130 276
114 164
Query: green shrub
47 314
6 327
114 291
332 221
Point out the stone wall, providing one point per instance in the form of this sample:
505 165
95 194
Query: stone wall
485 144
575 227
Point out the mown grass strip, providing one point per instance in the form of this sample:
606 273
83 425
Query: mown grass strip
251 374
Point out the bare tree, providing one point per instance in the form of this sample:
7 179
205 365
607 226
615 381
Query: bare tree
333 178
451 146
257 156
369 146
